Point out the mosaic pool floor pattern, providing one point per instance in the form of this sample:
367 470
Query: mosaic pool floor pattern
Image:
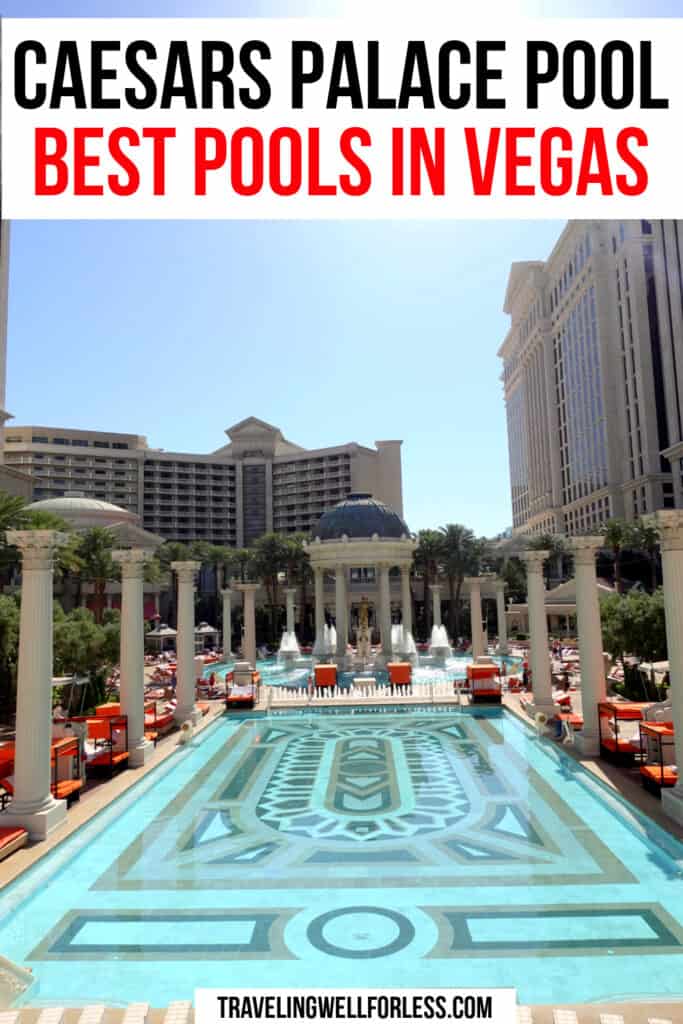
341 850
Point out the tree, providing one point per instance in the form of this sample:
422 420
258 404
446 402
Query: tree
635 625
172 551
461 556
83 647
241 564
428 555
644 535
97 565
9 649
555 544
618 535
270 559
299 571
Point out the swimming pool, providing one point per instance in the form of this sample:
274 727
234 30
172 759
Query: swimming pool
418 848
277 673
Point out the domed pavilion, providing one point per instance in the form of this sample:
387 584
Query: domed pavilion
360 532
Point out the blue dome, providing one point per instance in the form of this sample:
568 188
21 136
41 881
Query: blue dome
360 515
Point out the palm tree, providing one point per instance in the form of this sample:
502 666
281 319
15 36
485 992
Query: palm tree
172 551
644 535
299 571
428 555
553 543
617 536
240 564
461 552
218 557
97 565
270 559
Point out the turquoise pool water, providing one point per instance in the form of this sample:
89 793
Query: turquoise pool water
274 673
369 849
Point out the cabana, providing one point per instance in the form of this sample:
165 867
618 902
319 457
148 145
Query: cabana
161 638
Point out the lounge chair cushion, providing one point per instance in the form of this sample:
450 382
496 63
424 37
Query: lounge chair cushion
10 834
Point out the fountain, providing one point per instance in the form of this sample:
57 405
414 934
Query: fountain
289 652
439 647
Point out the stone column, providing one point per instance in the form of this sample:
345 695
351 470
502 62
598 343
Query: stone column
477 629
249 613
133 652
227 622
670 524
185 686
593 685
319 591
33 807
436 603
538 629
385 611
406 601
290 593
340 613
502 620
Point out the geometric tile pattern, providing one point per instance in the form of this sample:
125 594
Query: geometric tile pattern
427 800
360 850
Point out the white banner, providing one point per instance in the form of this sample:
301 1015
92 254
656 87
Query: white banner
396 1006
324 118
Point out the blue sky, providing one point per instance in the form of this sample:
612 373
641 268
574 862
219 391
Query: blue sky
334 331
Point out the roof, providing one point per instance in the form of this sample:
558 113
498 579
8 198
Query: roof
360 515
80 511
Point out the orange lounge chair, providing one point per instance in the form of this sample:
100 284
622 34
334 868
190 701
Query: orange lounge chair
657 777
12 839
400 673
113 733
485 683
107 710
240 697
325 675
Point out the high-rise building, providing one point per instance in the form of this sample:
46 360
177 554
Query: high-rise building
591 368
11 481
256 483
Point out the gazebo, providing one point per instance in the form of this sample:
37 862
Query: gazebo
360 532
161 638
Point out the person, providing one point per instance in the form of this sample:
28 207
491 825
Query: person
526 675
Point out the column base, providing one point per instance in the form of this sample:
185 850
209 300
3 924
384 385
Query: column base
545 707
588 745
187 714
38 824
672 803
140 754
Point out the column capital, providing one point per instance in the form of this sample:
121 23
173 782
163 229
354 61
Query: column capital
226 593
500 586
435 588
472 581
37 546
289 590
584 549
247 588
132 562
534 559
670 523
384 566
185 570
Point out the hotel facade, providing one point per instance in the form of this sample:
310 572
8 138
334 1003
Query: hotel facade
592 369
257 483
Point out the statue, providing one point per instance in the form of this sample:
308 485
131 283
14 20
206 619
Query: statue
363 645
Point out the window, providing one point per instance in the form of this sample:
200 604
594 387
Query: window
119 444
101 444
79 443
39 439
61 440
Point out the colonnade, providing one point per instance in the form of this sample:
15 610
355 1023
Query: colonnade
341 605
36 809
